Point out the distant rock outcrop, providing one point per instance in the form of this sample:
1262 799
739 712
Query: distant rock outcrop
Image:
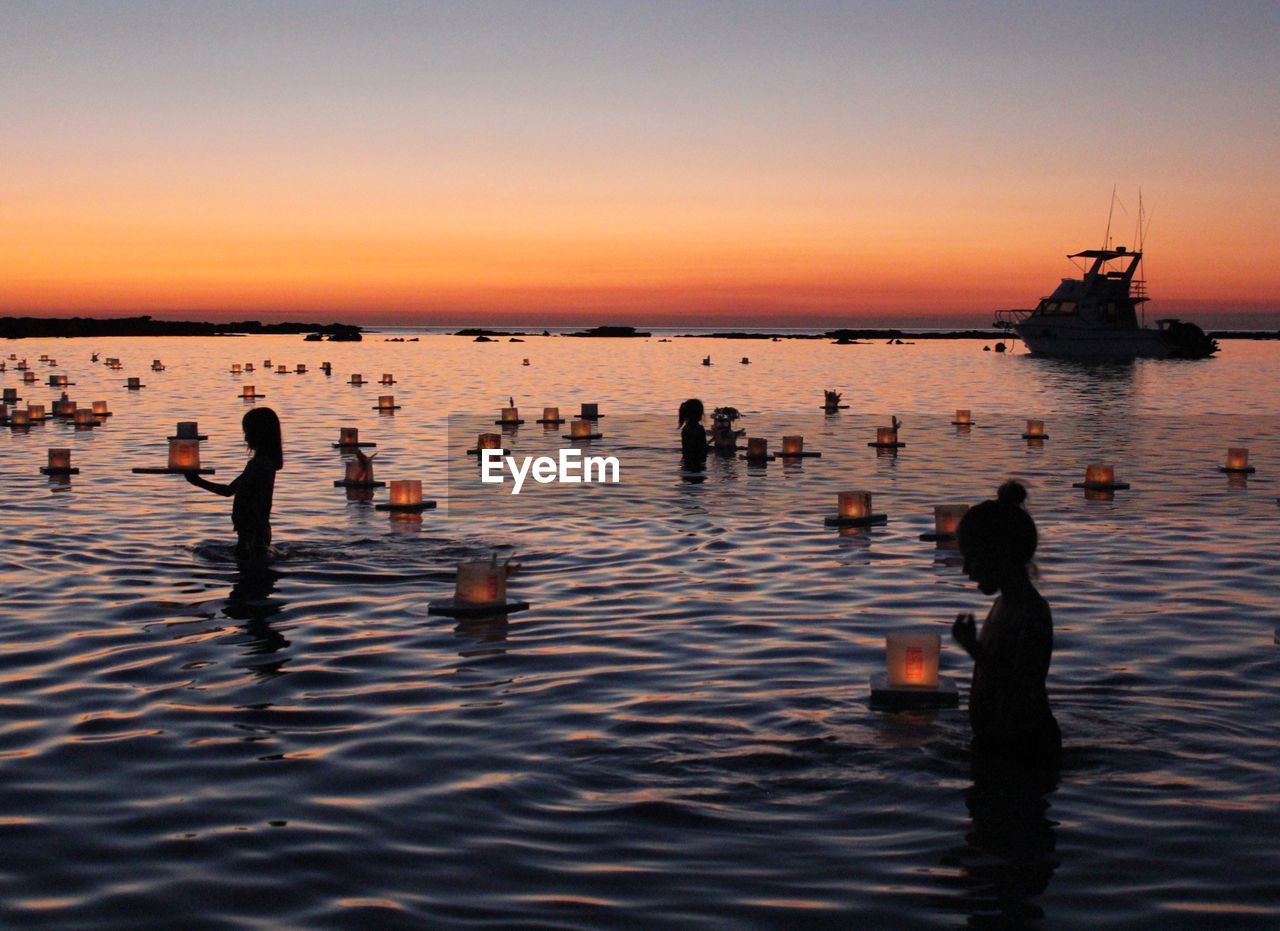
44 327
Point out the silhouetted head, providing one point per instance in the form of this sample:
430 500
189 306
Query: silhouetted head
691 411
998 539
262 434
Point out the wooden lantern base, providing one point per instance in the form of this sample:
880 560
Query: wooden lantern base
107 414
932 537
945 695
451 607
758 460
589 436
167 471
832 409
1247 470
867 521
42 418
393 407
476 452
887 445
508 423
961 423
352 445
135 387
1102 486
406 508
250 397
70 471
343 483
1033 436
802 455
199 436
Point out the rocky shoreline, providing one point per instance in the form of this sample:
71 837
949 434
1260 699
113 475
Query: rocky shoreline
44 327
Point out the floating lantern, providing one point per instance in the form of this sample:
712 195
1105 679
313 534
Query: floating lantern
187 430
510 417
266 363
184 454
963 419
526 362
757 450
134 383
84 419
28 378
326 367
58 381
64 407
746 361
4 415
53 362
248 366
946 519
358 473
19 419
36 412
406 496
854 510
100 409
157 365
1100 477
1035 431
387 403
300 369
486 441
582 430
21 366
480 589
356 379
590 412
60 463
911 679
249 392
44 357
282 370
387 379
887 438
706 360
236 368
349 438
793 448
551 416
11 396
1238 461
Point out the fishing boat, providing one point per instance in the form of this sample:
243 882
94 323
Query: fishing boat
1096 316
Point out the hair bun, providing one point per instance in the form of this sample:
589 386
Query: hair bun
1011 492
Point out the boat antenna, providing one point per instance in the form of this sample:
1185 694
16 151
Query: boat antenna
1106 238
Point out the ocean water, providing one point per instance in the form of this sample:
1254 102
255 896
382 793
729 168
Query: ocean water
677 733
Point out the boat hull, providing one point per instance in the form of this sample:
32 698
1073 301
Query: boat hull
1070 342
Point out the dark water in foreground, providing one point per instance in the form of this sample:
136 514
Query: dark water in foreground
677 734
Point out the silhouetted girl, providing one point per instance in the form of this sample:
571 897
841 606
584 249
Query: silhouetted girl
1008 703
693 436
254 487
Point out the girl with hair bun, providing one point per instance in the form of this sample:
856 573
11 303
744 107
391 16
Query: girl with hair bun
1008 703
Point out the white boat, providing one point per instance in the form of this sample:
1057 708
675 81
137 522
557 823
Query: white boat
1096 317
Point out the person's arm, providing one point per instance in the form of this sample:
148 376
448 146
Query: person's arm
218 489
1026 664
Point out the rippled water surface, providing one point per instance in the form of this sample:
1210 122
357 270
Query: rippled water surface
677 733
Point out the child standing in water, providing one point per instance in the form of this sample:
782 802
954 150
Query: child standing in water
693 436
254 487
1008 704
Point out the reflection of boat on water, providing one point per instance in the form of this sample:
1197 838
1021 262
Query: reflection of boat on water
1096 317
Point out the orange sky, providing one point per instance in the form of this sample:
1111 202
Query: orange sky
815 185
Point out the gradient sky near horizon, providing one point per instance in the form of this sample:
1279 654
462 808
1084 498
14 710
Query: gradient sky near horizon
798 163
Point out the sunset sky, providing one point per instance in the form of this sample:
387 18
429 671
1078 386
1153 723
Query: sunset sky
783 163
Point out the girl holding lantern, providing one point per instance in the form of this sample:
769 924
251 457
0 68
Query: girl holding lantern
254 487
1008 703
693 436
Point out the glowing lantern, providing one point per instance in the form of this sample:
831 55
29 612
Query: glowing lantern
357 379
248 366
406 492
84 418
912 659
184 455
57 381
1101 477
580 429
100 409
590 412
854 504
44 357
1035 430
301 369
551 415
359 471
187 430
157 365
946 518
35 411
386 402
792 445
19 419
59 462
886 436
348 436
236 368
28 378
510 415
482 583
282 370
326 367
1237 460
64 407
388 378
266 363
248 392
134 383
962 419
489 441
757 448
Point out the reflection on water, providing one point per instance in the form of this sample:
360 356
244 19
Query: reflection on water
678 732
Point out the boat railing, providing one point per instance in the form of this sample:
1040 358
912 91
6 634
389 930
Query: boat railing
1008 319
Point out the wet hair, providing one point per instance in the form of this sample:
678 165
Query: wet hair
1000 528
262 434
691 411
